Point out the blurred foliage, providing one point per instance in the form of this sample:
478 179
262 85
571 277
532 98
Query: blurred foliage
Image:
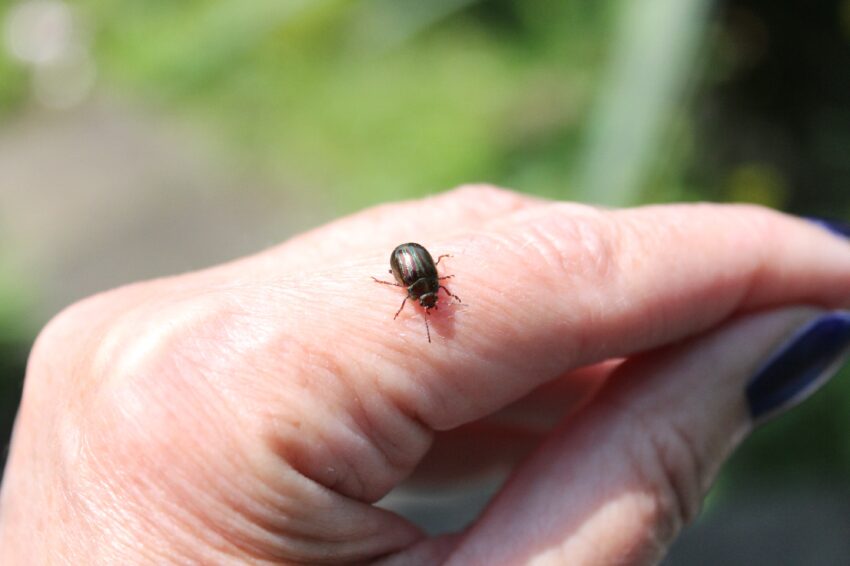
12 84
373 100
14 302
363 102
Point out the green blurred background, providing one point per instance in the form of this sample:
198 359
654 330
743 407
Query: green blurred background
143 138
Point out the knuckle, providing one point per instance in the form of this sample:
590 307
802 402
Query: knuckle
132 365
668 460
567 241
751 231
488 197
482 191
65 345
749 225
377 441
115 418
761 223
72 321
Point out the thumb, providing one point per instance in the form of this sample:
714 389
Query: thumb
616 482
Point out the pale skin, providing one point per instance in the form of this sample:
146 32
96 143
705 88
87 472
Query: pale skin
255 411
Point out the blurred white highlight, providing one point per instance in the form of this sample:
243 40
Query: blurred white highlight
47 36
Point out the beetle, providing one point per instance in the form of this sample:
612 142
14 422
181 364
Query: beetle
414 269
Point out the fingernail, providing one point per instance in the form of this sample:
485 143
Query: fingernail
800 366
838 227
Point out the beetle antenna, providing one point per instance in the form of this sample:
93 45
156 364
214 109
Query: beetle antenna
376 280
427 328
399 308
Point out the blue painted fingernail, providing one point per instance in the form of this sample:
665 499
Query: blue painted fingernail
839 227
800 366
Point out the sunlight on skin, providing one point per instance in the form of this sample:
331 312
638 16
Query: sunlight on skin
243 412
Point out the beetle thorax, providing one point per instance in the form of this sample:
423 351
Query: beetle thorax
422 287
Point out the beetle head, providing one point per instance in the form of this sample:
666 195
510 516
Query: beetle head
428 300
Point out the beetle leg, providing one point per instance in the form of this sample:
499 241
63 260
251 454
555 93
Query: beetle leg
445 277
385 282
399 308
450 294
427 328
441 257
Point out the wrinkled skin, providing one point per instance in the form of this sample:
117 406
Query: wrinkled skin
254 412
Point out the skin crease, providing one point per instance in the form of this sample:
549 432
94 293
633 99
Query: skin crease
254 412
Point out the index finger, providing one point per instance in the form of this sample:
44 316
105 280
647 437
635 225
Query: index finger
553 288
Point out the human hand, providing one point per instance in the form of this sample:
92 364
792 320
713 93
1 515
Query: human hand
255 411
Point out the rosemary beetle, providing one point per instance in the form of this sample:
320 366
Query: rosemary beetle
415 270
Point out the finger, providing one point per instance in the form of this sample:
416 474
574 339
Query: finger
549 403
496 443
554 289
617 481
546 291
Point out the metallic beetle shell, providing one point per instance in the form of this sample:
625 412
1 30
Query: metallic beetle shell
414 268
